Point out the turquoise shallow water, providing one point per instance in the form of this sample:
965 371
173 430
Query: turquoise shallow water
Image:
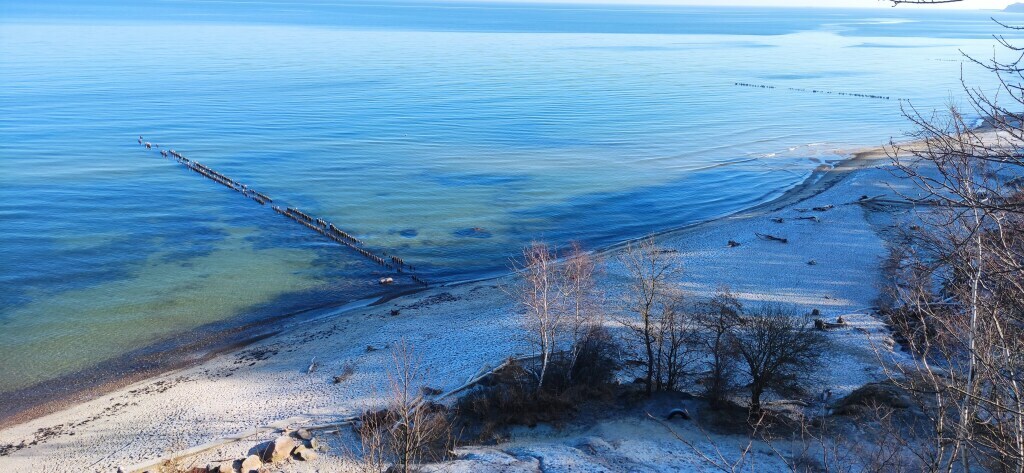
406 125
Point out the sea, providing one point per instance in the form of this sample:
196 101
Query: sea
447 134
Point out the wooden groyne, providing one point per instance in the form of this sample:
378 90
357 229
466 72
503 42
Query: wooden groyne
319 225
815 91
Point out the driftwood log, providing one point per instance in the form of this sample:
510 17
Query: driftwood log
822 325
765 236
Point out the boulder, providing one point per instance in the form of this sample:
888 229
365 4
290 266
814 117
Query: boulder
314 443
872 394
303 434
251 464
305 454
278 450
594 445
224 467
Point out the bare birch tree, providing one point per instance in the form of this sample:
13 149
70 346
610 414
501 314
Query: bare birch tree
579 294
541 296
959 285
960 294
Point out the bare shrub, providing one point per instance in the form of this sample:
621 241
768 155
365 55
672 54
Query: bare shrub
409 431
509 397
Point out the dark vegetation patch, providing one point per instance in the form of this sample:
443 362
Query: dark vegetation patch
873 395
510 397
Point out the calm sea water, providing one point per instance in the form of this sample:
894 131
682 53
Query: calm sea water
407 125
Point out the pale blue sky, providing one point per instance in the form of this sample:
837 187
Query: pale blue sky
969 4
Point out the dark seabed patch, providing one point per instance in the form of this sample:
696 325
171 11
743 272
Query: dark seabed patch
476 179
474 232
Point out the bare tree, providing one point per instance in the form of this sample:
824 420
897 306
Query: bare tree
721 317
583 315
959 293
676 355
779 351
959 283
540 293
662 333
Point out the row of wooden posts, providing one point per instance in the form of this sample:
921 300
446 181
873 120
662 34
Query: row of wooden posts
316 224
815 91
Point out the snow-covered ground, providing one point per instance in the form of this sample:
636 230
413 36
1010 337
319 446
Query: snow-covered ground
457 330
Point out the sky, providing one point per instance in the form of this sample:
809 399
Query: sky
968 4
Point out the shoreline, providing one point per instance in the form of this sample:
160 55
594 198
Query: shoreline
160 358
461 326
163 357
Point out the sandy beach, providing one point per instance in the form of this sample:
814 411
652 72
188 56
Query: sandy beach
222 406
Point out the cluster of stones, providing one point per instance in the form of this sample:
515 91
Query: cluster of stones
298 445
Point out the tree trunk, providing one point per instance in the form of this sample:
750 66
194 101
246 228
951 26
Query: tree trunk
755 399
650 353
543 367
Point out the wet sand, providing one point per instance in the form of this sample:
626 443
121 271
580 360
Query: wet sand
172 353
